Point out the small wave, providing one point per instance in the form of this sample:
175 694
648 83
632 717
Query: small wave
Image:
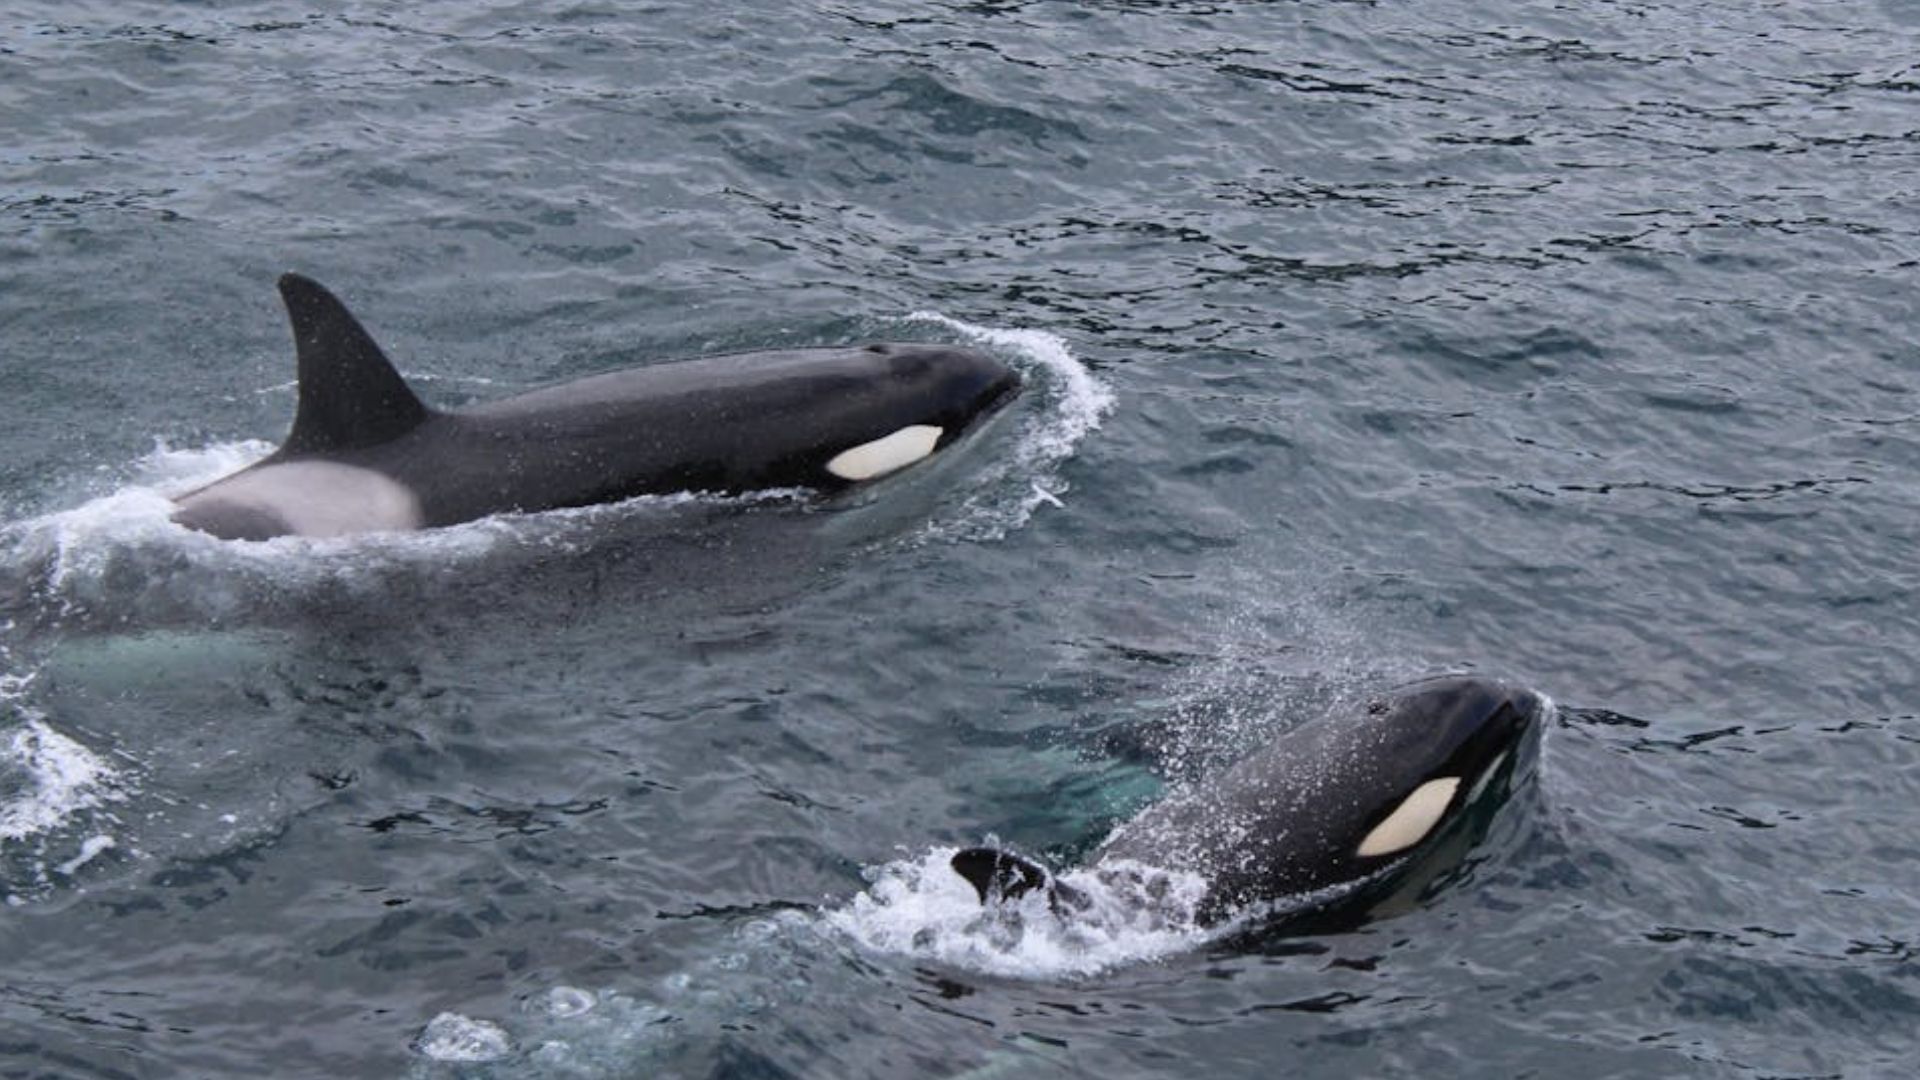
143 509
120 557
45 778
452 1037
61 558
49 782
920 908
1078 402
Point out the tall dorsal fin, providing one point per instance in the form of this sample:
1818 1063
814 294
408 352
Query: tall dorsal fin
350 396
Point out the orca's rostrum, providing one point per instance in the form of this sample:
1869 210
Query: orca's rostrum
366 454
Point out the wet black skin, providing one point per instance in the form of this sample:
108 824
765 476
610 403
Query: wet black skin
1288 820
733 423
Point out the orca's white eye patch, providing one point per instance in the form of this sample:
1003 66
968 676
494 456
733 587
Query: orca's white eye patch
1412 820
886 454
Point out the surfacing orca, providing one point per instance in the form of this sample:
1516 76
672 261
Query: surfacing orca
1322 810
367 455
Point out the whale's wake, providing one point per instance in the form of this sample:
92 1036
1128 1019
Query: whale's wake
1075 401
919 908
49 784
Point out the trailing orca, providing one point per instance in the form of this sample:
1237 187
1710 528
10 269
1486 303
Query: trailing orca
1322 810
366 455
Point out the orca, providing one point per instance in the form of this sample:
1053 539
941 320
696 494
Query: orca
1327 808
365 454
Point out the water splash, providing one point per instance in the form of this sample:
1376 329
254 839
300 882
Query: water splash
119 560
122 553
451 1037
49 783
1077 401
917 908
920 908
46 777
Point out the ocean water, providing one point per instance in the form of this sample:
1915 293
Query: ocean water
1570 342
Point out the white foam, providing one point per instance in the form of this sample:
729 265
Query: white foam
50 779
173 471
45 777
77 559
78 543
70 550
568 1001
1078 400
920 908
452 1037
90 849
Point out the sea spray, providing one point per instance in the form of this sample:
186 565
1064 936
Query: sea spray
54 794
918 907
1076 403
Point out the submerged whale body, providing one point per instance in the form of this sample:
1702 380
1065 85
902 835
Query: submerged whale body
1324 809
365 454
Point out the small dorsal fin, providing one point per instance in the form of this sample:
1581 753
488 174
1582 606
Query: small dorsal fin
350 395
996 873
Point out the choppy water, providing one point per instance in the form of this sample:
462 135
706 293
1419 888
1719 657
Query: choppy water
1572 342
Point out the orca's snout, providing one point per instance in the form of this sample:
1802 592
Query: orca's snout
957 386
1531 702
1475 719
1529 706
1473 693
974 383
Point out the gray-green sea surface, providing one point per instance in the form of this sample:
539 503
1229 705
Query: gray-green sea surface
1573 343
